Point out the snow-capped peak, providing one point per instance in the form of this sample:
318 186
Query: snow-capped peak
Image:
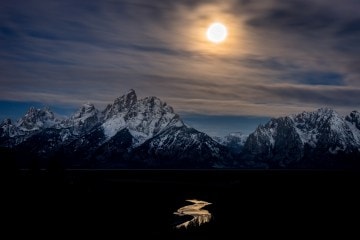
144 118
317 116
150 115
237 134
121 104
239 137
309 124
321 130
36 119
85 110
83 119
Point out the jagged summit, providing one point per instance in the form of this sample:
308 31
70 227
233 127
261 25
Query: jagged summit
36 119
289 140
121 104
144 118
320 114
147 132
85 118
85 111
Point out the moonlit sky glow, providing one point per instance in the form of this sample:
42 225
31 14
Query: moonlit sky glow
279 57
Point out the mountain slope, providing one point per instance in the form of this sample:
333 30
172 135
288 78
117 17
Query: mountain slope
82 120
34 121
144 118
183 147
46 142
147 133
311 139
234 141
129 133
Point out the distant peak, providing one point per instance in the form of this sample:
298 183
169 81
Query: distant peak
123 103
236 134
36 119
86 108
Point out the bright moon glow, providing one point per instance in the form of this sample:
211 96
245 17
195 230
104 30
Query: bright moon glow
216 33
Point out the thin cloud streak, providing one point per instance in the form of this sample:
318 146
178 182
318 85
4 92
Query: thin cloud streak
277 59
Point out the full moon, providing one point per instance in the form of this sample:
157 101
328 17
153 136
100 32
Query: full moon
216 33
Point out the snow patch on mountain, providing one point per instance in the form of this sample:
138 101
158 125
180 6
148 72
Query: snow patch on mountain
143 118
310 126
183 147
121 105
356 133
113 125
312 136
267 133
82 120
36 119
147 132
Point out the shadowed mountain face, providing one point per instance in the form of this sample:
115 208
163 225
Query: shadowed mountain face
129 133
147 133
184 147
320 139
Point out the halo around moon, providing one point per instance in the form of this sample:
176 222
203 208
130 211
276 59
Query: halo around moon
216 32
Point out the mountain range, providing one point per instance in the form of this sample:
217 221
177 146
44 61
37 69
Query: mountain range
147 133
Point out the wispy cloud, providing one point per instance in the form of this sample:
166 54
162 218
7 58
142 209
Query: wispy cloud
280 57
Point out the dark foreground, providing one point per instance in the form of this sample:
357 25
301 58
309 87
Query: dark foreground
141 202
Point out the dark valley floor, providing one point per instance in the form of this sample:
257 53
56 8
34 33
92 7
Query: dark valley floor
143 201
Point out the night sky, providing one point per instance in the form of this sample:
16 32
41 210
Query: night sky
280 57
